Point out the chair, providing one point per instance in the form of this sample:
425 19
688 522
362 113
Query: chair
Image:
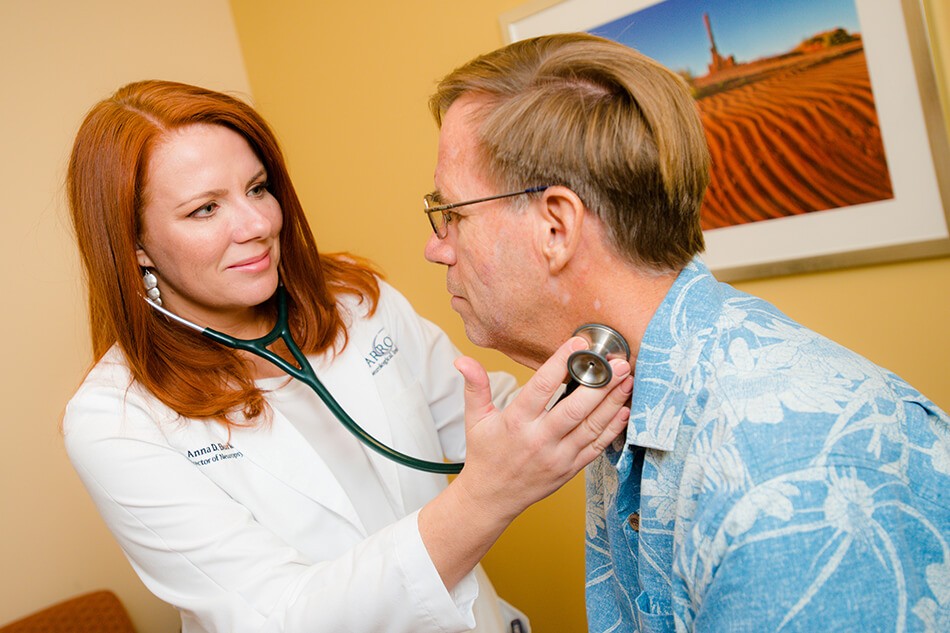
95 612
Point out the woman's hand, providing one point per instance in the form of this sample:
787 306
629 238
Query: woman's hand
518 456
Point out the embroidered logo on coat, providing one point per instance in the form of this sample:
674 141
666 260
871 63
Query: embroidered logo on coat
383 350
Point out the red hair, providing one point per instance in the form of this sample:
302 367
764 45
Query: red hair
105 186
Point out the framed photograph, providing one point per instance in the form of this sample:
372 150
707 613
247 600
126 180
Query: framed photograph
828 142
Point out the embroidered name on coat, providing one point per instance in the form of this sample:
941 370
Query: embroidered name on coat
214 452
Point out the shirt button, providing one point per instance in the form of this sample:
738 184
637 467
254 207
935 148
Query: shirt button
634 521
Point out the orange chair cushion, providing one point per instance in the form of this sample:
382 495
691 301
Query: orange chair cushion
96 612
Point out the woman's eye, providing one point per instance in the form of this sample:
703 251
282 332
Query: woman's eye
203 212
259 189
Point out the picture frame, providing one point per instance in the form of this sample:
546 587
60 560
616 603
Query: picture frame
908 222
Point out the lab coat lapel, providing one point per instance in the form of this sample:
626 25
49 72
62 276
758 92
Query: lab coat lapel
276 447
282 451
350 382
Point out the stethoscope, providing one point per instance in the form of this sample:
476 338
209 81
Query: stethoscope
589 367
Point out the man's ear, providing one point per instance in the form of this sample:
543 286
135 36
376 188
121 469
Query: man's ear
144 260
561 215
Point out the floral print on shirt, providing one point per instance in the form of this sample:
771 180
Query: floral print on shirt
771 480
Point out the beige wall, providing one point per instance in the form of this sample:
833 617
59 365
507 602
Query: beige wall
345 89
58 59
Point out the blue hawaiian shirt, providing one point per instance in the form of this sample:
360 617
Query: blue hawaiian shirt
771 480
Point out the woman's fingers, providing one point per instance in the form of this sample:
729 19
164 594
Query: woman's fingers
601 427
588 409
525 452
532 402
477 392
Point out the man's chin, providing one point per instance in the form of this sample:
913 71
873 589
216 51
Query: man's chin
476 335
474 330
482 338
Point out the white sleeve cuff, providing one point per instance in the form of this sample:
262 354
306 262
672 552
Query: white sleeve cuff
454 609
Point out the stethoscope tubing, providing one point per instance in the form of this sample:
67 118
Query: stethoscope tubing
308 376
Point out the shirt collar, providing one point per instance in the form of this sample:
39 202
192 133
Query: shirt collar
668 355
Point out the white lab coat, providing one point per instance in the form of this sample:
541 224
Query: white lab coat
250 531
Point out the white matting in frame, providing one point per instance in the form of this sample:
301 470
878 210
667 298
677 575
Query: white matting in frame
912 224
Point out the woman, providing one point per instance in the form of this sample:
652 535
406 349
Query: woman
232 490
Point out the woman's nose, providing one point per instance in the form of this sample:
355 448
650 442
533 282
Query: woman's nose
252 221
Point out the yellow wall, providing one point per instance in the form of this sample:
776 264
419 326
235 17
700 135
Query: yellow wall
58 59
346 89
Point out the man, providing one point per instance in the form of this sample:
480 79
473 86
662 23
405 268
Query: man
770 479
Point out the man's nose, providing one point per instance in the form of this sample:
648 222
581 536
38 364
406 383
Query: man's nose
440 251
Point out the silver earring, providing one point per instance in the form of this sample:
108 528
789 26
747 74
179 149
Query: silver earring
151 287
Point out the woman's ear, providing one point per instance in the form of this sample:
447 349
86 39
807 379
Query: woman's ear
144 260
561 214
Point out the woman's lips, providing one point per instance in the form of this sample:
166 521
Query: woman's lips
253 264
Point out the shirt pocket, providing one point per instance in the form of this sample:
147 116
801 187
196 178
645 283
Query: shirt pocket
652 618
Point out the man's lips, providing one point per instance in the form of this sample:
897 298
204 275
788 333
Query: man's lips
456 302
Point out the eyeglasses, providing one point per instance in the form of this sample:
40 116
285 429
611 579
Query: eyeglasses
439 219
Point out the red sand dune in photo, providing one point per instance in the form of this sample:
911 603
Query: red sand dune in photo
792 135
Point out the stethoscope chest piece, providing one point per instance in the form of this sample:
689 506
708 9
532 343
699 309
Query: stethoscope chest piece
590 367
